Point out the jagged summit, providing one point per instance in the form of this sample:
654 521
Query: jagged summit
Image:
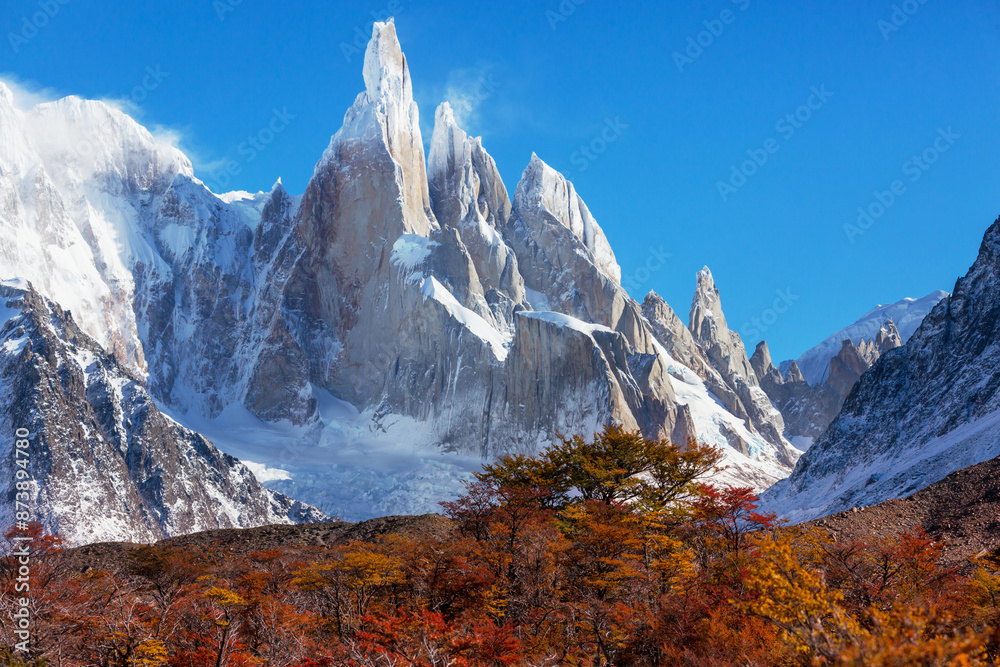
761 360
383 124
888 337
386 74
706 319
794 373
726 353
544 188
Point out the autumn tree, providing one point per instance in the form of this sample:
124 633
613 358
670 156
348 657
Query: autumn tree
616 466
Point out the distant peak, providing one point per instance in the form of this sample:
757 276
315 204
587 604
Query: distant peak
794 373
6 95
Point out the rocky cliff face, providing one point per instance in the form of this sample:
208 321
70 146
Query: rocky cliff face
469 196
380 335
921 412
106 463
492 323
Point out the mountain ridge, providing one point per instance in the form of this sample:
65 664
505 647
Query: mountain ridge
923 411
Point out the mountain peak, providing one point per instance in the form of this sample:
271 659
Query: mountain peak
385 71
794 373
906 314
653 299
446 115
447 144
542 187
706 302
761 360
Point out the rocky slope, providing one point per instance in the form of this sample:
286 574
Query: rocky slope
962 511
105 462
922 412
301 539
369 343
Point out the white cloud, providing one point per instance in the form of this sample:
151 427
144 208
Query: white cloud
469 91
28 94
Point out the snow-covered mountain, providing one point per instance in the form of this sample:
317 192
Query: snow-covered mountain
907 314
365 345
921 412
808 409
106 463
810 391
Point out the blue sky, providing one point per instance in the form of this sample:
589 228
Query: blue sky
663 131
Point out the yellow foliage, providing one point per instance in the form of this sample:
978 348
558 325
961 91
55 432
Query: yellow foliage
223 597
798 601
151 653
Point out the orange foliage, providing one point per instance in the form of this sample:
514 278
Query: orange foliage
600 553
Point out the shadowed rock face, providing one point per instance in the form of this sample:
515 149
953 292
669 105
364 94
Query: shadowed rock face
107 463
807 409
470 197
921 412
